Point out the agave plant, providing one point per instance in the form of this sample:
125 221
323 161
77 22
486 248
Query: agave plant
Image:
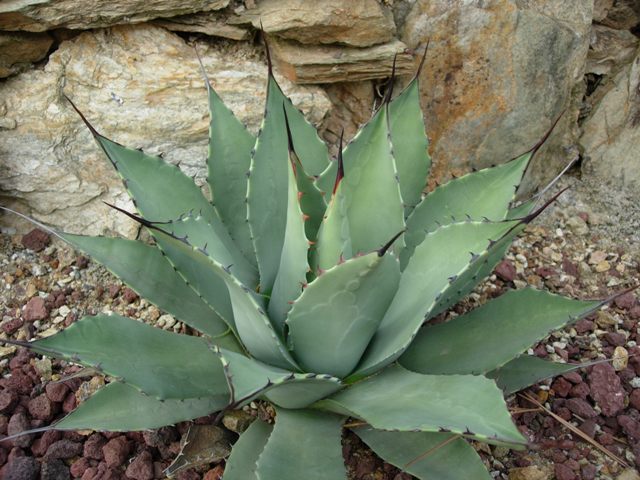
312 282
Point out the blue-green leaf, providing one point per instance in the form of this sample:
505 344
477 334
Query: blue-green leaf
426 455
493 334
304 444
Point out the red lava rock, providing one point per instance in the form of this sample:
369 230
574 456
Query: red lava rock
113 290
214 474
101 472
606 389
20 382
19 423
42 444
3 456
93 446
626 301
606 439
545 272
572 464
588 472
41 407
69 403
188 474
8 400
90 473
506 271
82 262
4 421
63 449
56 392
635 312
79 467
21 358
129 296
616 339
116 451
630 426
21 468
561 387
588 427
581 390
634 399
141 468
584 326
563 472
35 309
36 240
570 268
54 470
581 408
12 325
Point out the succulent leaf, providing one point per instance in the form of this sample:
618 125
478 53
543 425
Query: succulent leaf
311 199
230 146
493 334
268 190
332 322
410 144
200 235
304 444
483 194
372 209
147 271
526 370
334 238
248 310
294 265
426 455
248 379
398 399
140 355
118 407
428 276
241 464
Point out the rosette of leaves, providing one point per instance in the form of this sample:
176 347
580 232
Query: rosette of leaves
311 282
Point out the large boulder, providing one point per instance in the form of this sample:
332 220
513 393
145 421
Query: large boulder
611 134
40 15
139 85
19 49
359 24
497 75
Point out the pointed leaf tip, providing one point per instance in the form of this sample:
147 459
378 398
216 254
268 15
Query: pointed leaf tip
388 245
288 127
422 60
340 173
392 81
266 50
203 71
91 128
134 217
542 141
529 218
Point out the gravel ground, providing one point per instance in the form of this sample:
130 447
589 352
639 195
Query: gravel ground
579 248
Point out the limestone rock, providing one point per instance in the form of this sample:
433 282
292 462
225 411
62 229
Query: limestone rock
497 74
19 49
612 131
352 108
359 24
622 14
330 63
609 48
40 15
214 24
139 85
